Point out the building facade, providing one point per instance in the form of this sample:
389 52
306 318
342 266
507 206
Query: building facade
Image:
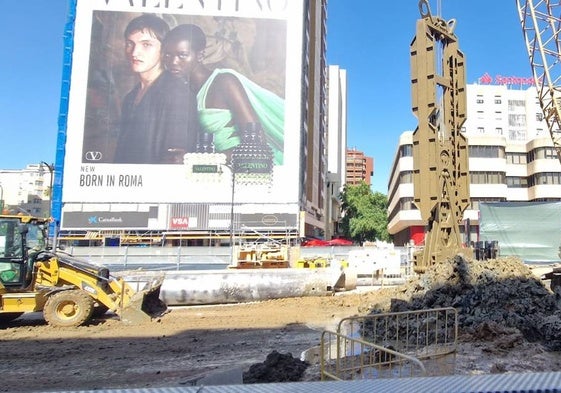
336 148
315 119
26 191
359 167
511 158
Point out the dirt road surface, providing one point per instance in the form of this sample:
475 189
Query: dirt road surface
174 350
190 342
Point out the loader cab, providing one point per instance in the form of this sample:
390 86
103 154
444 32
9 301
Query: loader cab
19 244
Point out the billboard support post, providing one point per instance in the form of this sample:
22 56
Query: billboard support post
231 226
232 218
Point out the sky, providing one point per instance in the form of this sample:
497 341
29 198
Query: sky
369 39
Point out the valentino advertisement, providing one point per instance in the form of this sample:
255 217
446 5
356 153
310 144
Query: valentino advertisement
174 104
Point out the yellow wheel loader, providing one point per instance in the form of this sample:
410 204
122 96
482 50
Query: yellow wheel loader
69 291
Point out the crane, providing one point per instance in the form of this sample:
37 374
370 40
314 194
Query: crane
541 24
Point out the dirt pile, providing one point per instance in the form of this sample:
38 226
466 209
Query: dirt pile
493 297
277 367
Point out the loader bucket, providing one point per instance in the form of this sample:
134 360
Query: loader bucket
145 304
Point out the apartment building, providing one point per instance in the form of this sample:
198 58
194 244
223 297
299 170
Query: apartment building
359 167
511 158
26 190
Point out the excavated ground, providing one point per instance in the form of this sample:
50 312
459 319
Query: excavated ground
509 322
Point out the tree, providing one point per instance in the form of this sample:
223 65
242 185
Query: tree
365 215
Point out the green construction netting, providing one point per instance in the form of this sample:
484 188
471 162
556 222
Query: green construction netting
528 230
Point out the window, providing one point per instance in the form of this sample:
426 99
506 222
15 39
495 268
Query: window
407 204
403 204
516 105
516 182
406 151
406 177
487 177
516 158
545 178
517 120
481 130
477 151
539 116
498 100
475 202
499 130
542 153
479 99
517 135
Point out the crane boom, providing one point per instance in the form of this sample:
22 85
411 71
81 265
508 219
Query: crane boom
541 23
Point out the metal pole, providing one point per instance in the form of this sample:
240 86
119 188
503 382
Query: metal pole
126 257
51 169
52 225
232 218
1 199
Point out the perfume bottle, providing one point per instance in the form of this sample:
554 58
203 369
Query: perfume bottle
205 143
204 165
252 159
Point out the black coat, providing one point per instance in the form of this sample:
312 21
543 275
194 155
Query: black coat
162 126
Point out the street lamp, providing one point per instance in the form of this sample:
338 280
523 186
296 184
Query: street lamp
1 199
52 225
231 228
215 169
51 169
234 180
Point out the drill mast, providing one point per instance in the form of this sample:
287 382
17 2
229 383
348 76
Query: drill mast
440 157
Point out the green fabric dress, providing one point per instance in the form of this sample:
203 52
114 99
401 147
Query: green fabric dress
268 106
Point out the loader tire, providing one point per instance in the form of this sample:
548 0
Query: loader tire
99 310
6 317
68 308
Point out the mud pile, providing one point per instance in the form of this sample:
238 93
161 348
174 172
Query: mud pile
276 368
493 298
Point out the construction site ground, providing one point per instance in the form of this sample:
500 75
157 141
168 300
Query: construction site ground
190 343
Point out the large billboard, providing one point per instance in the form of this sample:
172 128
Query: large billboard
176 106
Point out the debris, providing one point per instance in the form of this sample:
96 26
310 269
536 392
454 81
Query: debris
489 294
